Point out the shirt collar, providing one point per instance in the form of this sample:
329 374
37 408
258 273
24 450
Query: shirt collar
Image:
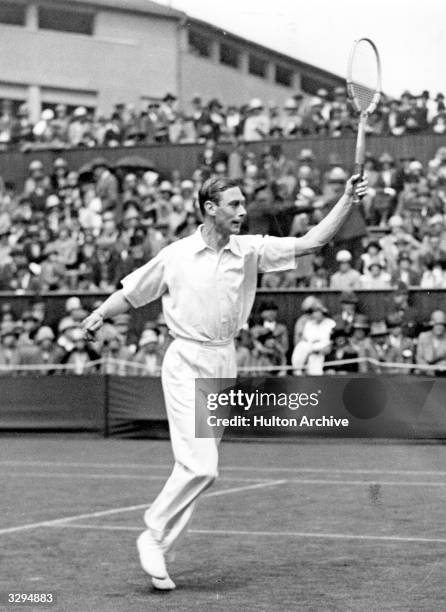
199 243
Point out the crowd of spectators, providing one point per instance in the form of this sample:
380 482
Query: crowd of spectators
328 114
84 231
342 342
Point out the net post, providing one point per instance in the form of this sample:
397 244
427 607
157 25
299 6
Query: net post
106 415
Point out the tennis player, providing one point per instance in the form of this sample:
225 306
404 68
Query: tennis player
207 283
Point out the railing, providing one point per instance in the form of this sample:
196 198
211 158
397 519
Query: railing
184 157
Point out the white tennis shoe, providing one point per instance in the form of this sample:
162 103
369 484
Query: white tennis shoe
152 561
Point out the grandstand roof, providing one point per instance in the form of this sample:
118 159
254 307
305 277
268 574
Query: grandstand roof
139 6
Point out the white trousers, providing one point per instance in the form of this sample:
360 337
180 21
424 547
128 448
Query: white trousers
196 459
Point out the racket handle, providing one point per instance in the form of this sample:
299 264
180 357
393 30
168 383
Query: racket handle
359 169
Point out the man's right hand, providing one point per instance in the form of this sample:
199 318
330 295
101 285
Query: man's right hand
92 324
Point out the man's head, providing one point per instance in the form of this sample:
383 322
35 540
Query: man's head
438 323
223 204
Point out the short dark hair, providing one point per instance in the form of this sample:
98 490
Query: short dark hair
211 189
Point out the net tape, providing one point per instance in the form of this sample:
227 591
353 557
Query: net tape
138 366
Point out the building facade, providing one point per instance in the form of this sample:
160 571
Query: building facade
98 53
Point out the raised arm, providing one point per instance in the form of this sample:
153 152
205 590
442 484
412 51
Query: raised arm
324 231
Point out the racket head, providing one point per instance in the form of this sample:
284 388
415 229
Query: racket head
364 75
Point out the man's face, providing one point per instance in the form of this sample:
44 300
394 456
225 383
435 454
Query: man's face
269 315
438 330
230 211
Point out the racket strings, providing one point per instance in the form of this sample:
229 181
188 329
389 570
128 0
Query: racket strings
364 95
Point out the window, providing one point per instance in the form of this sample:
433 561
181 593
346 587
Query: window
229 55
199 44
12 14
284 76
257 66
61 20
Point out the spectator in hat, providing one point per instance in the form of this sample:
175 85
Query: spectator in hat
266 353
268 321
345 278
340 350
49 352
372 254
402 348
309 352
359 333
9 352
291 121
398 235
116 355
79 126
434 274
375 277
375 348
431 345
405 271
257 123
106 188
306 310
147 361
314 122
414 117
399 304
349 306
78 359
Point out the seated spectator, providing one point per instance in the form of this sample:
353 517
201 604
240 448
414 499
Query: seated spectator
243 351
340 350
372 254
346 278
116 356
257 123
434 275
405 271
266 353
375 277
50 352
349 305
306 310
402 348
268 315
147 361
309 353
79 359
431 346
9 351
376 348
399 304
359 333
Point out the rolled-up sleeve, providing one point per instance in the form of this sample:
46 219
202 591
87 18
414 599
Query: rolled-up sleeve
277 254
145 284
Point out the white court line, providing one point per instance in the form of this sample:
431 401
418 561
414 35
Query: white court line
148 466
287 534
297 481
53 522
114 476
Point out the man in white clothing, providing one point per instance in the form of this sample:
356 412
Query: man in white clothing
207 283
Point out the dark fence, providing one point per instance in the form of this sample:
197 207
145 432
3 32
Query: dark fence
184 158
384 407
373 303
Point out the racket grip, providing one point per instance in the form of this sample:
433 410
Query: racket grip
359 169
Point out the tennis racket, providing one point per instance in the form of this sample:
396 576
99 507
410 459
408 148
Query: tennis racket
364 89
